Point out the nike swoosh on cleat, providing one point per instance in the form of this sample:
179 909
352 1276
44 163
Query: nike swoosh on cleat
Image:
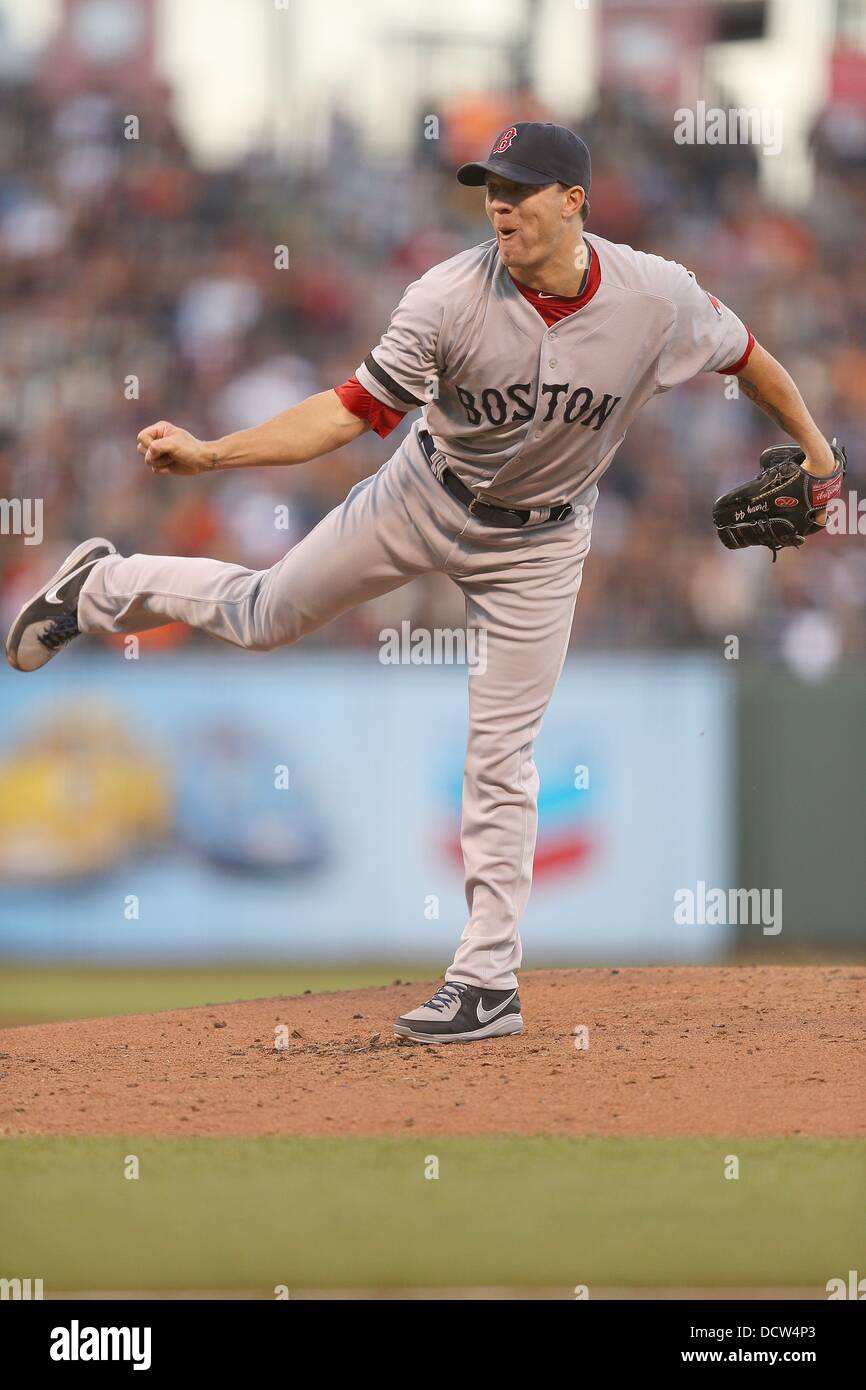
485 1015
52 596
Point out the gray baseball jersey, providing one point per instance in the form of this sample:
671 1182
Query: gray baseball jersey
532 416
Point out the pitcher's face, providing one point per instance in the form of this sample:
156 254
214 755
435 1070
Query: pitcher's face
530 222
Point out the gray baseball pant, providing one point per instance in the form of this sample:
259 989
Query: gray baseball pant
520 587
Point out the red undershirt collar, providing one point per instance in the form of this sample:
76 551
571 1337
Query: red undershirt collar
545 302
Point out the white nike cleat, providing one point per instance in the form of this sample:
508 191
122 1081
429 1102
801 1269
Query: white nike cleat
49 620
459 1012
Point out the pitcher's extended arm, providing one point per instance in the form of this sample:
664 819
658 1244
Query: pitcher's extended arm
765 381
317 426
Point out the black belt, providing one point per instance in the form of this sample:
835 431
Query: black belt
484 511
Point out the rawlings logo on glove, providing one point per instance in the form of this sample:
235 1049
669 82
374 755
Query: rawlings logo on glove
749 514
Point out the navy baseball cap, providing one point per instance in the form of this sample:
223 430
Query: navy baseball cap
534 152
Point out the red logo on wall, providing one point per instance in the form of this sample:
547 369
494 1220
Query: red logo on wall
504 140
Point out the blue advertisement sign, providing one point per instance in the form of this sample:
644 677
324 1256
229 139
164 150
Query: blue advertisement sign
295 806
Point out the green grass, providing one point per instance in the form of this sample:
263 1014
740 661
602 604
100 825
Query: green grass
233 1214
44 994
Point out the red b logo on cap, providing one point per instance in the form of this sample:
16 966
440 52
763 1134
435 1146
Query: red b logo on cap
504 140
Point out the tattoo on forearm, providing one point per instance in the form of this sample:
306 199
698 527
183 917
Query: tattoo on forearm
784 421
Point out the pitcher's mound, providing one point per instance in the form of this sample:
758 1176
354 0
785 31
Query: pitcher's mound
739 1050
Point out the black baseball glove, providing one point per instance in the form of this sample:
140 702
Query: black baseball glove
778 507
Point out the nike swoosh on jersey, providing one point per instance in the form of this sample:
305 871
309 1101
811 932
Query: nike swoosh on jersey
52 595
485 1015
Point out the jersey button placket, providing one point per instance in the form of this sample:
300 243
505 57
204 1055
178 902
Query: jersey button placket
551 337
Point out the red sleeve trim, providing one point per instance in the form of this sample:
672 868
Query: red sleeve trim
741 362
381 418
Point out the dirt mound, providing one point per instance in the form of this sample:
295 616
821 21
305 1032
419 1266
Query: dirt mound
732 1051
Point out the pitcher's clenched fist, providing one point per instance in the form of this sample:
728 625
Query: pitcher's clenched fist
169 449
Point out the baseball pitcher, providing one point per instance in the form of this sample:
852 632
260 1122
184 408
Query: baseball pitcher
527 357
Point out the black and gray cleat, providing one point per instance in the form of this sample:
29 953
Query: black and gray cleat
48 622
459 1012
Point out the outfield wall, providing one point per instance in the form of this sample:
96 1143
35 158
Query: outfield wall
301 806
801 774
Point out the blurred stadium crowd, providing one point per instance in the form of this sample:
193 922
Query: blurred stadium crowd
136 286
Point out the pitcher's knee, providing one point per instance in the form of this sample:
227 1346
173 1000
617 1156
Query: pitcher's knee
269 626
261 642
269 616
266 636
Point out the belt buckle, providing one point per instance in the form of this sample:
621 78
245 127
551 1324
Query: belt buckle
476 502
